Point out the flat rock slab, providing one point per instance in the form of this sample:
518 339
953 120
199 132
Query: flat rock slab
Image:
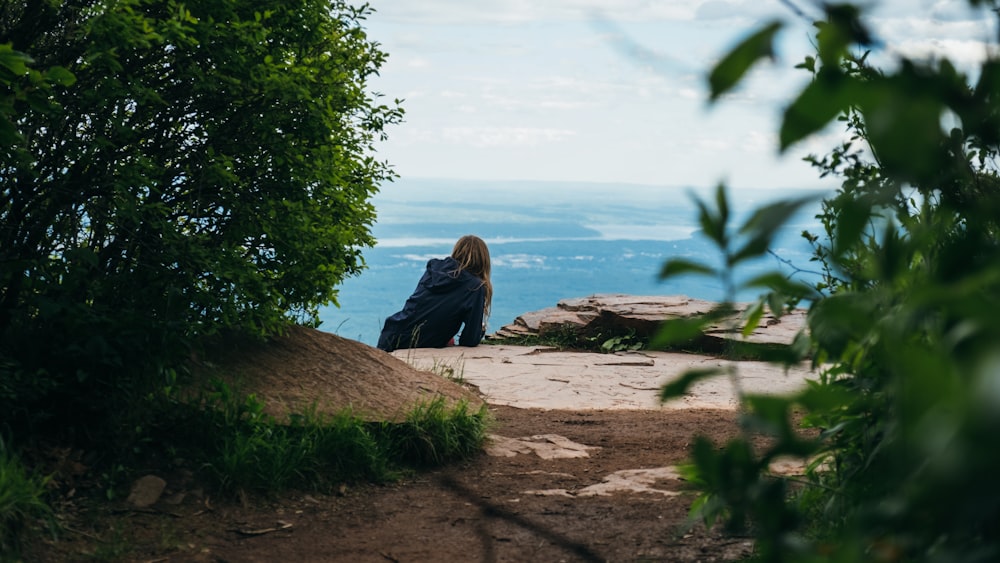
546 378
642 316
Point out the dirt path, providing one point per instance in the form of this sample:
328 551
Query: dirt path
491 508
596 483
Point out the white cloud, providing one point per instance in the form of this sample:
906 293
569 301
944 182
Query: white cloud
910 28
740 10
689 93
417 62
492 137
952 30
543 90
965 54
759 141
564 105
452 12
712 144
936 10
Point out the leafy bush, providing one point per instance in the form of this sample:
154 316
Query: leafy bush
175 169
22 498
904 329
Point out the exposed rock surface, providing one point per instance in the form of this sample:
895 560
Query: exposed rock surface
310 369
539 377
146 491
642 316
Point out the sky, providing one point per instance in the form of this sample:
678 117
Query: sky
615 90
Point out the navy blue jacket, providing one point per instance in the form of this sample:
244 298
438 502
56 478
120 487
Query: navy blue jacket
441 304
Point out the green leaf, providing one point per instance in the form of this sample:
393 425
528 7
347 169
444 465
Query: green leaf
708 508
753 248
678 331
8 133
817 397
772 217
904 120
772 411
768 280
779 354
753 316
722 204
840 320
58 75
852 219
681 330
711 225
847 18
808 64
679 266
680 386
14 61
731 69
777 304
779 283
816 106
690 472
980 115
764 224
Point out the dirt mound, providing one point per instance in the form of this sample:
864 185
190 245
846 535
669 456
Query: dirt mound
307 366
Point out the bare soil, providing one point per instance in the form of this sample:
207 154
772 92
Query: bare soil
489 508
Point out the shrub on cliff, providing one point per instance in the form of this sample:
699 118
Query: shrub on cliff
196 167
904 329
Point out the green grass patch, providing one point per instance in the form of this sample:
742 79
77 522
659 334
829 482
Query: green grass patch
433 434
22 499
239 447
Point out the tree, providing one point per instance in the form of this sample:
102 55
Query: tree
904 330
208 169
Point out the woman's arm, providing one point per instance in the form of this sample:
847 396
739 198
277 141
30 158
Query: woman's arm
474 329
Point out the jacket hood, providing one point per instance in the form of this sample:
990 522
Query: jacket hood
441 274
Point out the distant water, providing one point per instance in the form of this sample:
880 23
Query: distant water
548 241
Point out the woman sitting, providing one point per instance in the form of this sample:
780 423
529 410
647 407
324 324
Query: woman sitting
453 291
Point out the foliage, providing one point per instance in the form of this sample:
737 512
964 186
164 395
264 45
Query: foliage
569 337
903 329
174 169
452 371
433 433
23 84
248 450
682 335
22 497
564 337
627 342
455 373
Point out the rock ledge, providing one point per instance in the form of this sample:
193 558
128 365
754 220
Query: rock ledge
642 315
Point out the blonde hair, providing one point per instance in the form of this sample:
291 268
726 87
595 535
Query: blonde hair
473 256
